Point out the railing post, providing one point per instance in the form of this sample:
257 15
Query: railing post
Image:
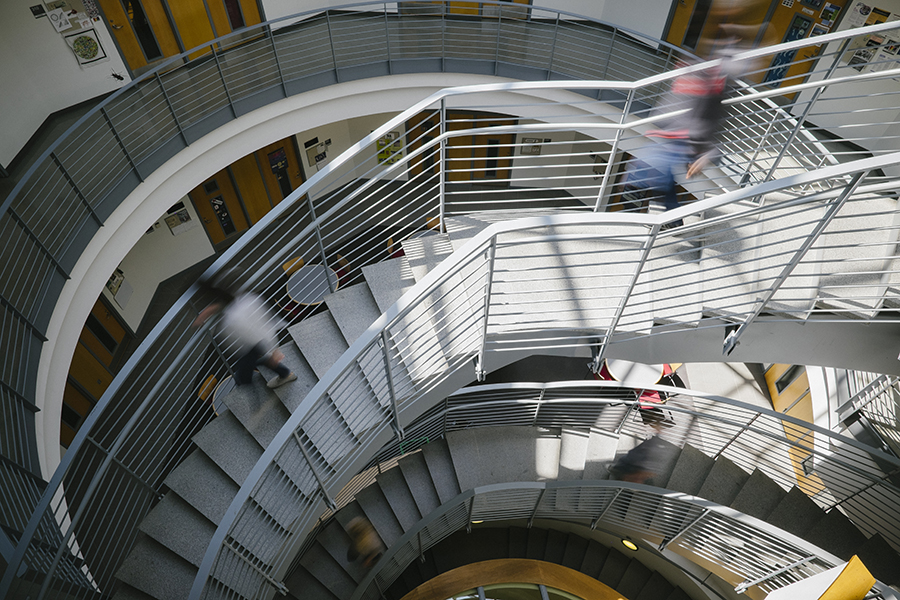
747 584
390 381
337 72
537 505
553 48
319 242
683 530
387 39
736 436
165 94
731 341
442 168
606 508
277 60
601 202
212 47
489 276
76 189
537 409
324 492
497 50
645 253
279 586
612 43
802 118
40 245
121 144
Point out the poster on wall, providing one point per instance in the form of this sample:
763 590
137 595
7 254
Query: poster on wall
86 46
59 20
390 148
829 14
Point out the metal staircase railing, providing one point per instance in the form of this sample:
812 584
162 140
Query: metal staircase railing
360 209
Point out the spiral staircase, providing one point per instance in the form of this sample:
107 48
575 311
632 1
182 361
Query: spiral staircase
251 501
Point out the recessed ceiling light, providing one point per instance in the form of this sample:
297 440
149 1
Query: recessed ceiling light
629 544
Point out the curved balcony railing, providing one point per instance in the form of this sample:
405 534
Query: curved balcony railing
142 426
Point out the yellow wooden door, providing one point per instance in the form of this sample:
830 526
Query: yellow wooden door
280 168
219 208
492 153
421 129
681 18
253 193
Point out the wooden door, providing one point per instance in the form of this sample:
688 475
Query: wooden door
280 168
476 156
681 20
141 29
421 129
219 208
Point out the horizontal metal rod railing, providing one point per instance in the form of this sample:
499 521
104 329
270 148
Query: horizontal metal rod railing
396 200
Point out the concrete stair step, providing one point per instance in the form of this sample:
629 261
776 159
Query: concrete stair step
634 579
179 527
678 594
292 394
601 451
354 310
124 591
421 353
399 497
319 563
304 586
724 482
835 533
880 559
576 547
439 461
327 429
555 550
259 534
203 485
690 471
142 567
594 558
229 445
503 454
536 545
759 496
336 542
415 470
796 513
614 568
322 344
573 445
258 409
655 588
373 503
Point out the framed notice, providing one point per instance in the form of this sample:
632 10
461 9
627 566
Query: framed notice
86 46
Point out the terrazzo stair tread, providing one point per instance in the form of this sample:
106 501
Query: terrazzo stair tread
835 533
454 315
320 564
565 274
555 550
655 588
796 513
270 491
724 482
123 591
329 432
373 503
142 567
502 454
864 259
601 451
399 497
354 310
594 558
759 496
663 458
882 561
690 471
671 277
573 445
415 470
633 579
203 485
613 568
322 344
292 394
517 542
462 228
259 533
678 594
349 512
336 542
304 586
440 465
421 354
258 409
536 544
229 445
179 527
576 546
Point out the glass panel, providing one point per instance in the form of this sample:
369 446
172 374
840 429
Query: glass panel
234 14
142 29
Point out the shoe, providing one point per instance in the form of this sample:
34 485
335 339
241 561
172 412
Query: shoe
279 381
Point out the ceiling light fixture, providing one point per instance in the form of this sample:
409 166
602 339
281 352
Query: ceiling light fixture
629 544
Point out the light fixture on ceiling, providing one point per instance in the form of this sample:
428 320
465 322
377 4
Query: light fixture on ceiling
629 544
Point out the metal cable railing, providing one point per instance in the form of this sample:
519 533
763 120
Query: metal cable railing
144 423
876 398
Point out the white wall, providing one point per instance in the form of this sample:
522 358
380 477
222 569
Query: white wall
157 256
40 74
